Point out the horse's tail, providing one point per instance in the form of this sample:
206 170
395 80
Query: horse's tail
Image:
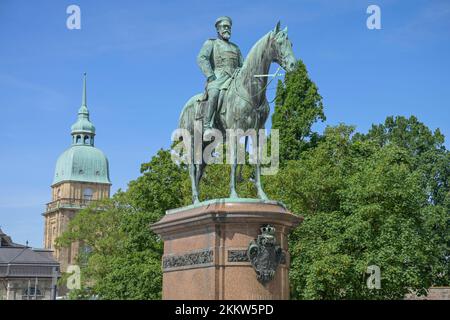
187 116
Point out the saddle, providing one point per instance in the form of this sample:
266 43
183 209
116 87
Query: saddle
201 104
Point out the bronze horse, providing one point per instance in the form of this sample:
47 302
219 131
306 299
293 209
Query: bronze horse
244 103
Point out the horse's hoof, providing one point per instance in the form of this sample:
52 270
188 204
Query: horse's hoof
234 195
262 195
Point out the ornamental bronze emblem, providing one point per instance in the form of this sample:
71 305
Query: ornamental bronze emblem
264 254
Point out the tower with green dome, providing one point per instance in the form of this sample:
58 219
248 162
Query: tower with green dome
81 176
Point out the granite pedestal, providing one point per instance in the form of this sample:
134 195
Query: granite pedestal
205 250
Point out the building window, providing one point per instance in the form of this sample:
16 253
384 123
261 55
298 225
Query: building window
78 139
31 292
87 194
86 139
58 193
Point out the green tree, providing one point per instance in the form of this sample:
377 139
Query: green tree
431 161
426 147
364 205
298 106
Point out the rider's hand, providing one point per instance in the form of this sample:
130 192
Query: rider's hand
211 78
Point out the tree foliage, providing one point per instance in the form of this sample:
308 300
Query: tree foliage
364 204
298 106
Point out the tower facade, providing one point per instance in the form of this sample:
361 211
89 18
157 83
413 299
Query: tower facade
81 176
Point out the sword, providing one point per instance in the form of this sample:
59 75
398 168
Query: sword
268 75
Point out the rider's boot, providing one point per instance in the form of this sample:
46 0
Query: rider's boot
207 130
209 118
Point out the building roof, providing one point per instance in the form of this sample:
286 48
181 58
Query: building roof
82 163
17 260
25 255
6 241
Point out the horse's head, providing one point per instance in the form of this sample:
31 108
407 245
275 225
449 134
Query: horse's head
282 49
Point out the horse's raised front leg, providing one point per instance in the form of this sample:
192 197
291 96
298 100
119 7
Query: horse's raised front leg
233 193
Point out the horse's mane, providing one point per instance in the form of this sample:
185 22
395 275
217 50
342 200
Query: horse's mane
251 61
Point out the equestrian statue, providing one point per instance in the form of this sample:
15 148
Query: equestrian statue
234 98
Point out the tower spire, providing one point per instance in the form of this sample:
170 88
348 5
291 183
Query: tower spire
83 112
83 101
83 131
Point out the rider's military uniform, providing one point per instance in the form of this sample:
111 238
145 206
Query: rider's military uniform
220 58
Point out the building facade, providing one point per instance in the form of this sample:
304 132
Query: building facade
81 176
26 273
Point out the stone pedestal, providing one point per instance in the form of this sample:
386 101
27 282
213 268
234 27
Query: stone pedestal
205 250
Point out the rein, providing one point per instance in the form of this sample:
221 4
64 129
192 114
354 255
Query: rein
259 92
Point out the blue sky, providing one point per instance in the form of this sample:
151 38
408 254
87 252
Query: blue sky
140 60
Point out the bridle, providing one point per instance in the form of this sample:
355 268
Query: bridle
280 59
